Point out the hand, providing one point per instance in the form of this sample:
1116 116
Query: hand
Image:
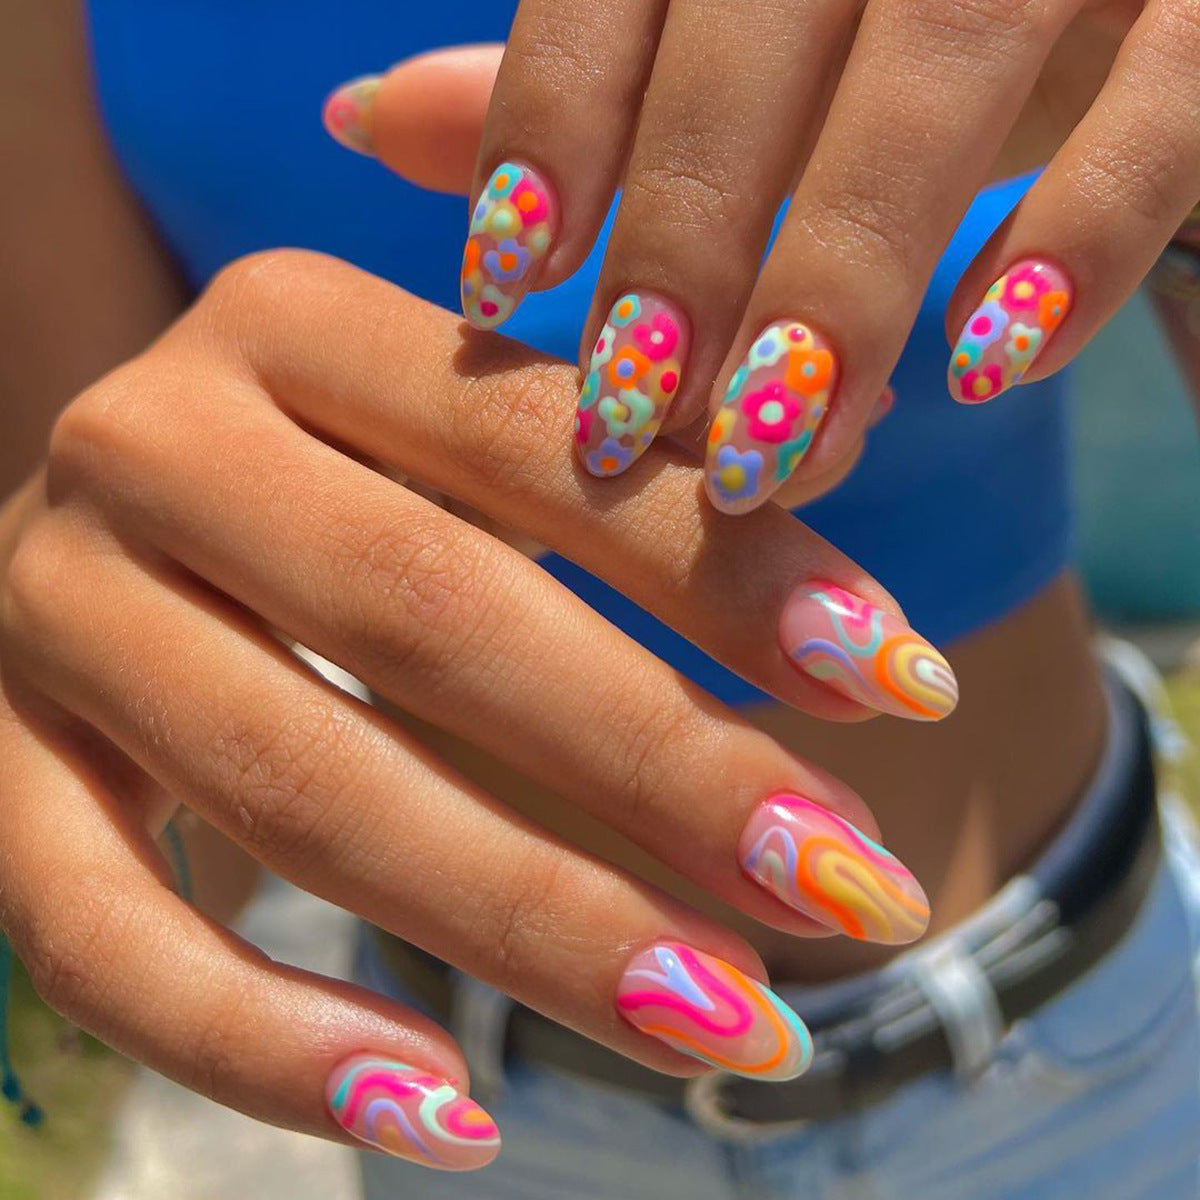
209 503
881 121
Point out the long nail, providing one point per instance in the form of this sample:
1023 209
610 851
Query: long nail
636 367
513 225
707 1008
347 113
821 865
407 1112
866 654
767 421
1006 333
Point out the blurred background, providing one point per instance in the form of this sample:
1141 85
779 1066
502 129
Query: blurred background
116 1132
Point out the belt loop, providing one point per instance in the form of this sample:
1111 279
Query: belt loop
479 1022
966 1005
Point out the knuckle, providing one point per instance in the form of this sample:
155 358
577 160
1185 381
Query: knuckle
517 923
673 183
35 582
287 781
1131 184
863 221
996 27
215 1058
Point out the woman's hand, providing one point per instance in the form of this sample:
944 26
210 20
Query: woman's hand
208 504
881 121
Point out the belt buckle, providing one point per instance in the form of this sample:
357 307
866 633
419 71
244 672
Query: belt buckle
705 1102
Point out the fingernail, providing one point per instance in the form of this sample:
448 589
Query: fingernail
707 1008
407 1112
821 865
347 113
1006 333
883 406
866 654
767 421
514 222
634 374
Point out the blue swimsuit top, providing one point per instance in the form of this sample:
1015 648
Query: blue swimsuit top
213 109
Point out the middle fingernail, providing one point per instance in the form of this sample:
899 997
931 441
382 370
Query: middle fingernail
635 371
772 408
707 1008
512 228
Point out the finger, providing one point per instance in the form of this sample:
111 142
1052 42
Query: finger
1093 225
330 794
892 173
733 97
466 633
86 904
423 118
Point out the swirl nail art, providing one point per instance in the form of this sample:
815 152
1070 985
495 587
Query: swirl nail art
411 1114
866 654
819 864
636 368
347 113
703 1006
1007 332
512 228
772 408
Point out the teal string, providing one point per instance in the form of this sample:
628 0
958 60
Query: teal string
10 1085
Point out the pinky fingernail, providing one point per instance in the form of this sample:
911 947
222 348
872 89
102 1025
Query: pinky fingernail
772 408
512 229
1009 330
634 373
408 1113
347 113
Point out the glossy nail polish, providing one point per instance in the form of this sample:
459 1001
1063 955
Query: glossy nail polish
1006 333
347 113
866 654
635 371
703 1006
411 1114
819 864
772 408
512 228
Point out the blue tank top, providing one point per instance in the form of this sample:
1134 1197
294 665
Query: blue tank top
213 108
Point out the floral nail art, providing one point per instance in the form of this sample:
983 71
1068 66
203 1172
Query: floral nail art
866 654
767 421
707 1008
821 865
635 371
1010 328
347 113
513 225
411 1114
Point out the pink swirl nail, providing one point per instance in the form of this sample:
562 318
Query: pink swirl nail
411 1114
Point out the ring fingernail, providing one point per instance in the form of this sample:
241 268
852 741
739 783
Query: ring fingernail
772 408
635 371
347 113
819 864
1007 332
866 654
512 228
707 1008
411 1114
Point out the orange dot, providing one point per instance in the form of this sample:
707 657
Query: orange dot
508 261
501 181
527 201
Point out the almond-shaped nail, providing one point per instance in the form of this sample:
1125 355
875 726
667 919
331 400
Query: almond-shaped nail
512 228
411 1114
772 408
866 654
347 113
705 1007
819 864
636 368
1006 333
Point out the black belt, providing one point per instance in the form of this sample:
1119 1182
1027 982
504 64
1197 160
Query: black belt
872 1034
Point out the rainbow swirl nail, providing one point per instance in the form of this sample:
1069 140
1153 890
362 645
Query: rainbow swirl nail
409 1113
709 1009
866 654
821 865
512 228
